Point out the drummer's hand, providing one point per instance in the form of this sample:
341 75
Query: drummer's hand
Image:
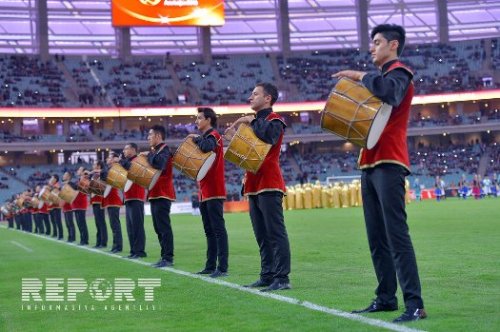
80 170
144 153
354 75
229 129
246 119
229 133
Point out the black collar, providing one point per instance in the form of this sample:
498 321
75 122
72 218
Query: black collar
263 113
388 64
207 132
158 146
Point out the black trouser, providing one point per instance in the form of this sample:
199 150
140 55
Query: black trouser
160 211
55 218
215 231
116 227
134 212
100 225
383 190
81 222
11 222
38 223
22 221
70 224
44 217
28 222
34 220
17 219
266 212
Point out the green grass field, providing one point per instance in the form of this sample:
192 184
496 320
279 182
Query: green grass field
457 245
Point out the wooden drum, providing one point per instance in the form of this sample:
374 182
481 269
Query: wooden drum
355 114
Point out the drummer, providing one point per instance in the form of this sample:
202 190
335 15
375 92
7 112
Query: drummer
10 215
68 209
112 204
35 212
384 168
26 211
43 212
265 191
55 210
162 194
17 212
79 206
97 201
134 207
213 194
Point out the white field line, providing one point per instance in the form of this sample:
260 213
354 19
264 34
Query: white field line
21 246
275 296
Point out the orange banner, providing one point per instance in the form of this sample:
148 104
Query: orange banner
236 206
167 12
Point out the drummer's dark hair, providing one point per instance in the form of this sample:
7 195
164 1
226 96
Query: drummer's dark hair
55 176
133 146
209 113
159 129
391 32
100 163
269 90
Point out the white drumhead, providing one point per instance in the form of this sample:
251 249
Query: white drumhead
205 167
41 192
40 204
378 125
127 186
154 180
107 191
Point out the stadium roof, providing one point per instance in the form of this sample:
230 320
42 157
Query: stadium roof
84 27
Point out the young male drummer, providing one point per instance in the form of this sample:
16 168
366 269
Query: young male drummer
112 204
162 194
384 168
134 208
68 209
97 208
213 194
79 207
35 211
55 210
265 191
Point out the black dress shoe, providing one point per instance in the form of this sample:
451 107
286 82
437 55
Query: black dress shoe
218 274
376 307
163 263
277 285
411 314
132 256
205 271
259 283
